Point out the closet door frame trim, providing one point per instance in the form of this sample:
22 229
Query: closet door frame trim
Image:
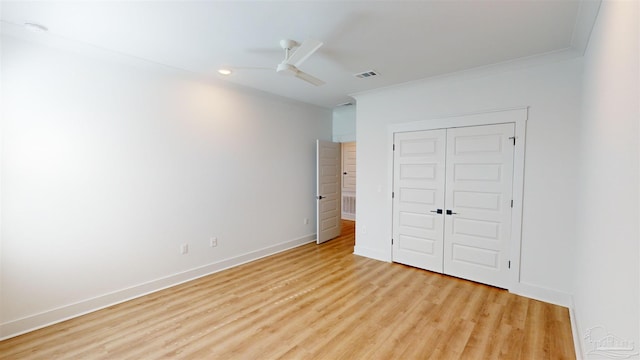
517 116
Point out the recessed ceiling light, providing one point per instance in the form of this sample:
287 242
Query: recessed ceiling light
224 71
35 27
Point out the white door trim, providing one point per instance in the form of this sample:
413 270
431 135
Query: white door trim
518 116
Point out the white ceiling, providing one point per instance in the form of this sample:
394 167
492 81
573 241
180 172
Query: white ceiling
403 41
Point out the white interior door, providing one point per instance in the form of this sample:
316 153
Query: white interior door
478 197
419 179
328 223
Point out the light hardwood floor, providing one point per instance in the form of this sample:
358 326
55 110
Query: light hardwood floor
312 302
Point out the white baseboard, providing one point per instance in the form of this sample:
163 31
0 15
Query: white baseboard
33 322
371 253
543 294
577 339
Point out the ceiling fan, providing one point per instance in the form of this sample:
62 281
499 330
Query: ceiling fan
295 54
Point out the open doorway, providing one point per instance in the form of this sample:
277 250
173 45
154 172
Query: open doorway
335 188
348 181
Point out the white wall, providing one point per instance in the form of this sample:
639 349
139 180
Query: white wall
607 272
107 168
552 91
344 123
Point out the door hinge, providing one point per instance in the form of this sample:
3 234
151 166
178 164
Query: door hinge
391 241
509 264
393 195
514 140
394 147
512 203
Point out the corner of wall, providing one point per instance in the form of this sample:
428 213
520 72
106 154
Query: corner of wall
371 253
585 20
577 339
543 294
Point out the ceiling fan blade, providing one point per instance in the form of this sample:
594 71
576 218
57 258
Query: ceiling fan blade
305 50
250 68
309 78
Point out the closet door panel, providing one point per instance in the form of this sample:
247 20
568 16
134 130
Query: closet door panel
477 221
419 177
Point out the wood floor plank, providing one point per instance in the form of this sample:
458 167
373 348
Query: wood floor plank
312 302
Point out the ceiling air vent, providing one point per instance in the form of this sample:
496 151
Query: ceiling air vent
366 74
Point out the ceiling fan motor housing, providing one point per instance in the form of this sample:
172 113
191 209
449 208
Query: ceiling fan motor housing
288 44
286 69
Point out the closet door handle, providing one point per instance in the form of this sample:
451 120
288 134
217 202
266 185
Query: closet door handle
439 211
449 212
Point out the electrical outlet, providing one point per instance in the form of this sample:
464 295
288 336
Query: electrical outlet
213 241
184 249
306 221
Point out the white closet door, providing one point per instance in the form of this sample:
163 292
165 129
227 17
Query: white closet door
419 178
478 195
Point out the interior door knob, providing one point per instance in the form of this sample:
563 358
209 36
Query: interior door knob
449 212
320 197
